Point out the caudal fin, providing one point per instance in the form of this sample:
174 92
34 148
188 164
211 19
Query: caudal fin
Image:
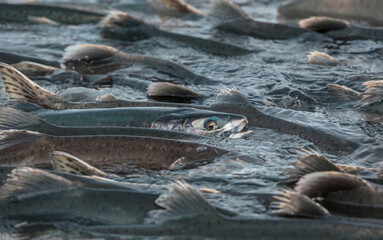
225 11
66 163
25 182
175 7
20 87
164 90
14 119
321 183
289 203
10 138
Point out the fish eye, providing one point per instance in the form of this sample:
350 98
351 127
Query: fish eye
210 125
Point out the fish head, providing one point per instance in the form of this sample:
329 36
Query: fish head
206 123
91 58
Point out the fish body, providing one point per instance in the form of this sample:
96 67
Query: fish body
115 153
187 214
65 200
231 18
123 26
350 9
66 15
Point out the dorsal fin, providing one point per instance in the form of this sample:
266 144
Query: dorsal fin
373 92
175 7
34 69
321 183
289 203
323 24
309 161
106 98
14 119
160 90
232 96
344 91
182 201
225 11
20 87
321 58
66 163
121 19
25 182
11 138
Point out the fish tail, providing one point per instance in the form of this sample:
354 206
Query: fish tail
183 200
20 87
175 6
309 161
66 163
14 119
24 182
226 11
321 183
161 90
290 203
10 138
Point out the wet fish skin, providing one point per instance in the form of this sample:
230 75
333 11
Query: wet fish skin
231 18
350 9
126 27
115 153
188 214
15 119
21 198
21 12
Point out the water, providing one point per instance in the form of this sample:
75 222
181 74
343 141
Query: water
277 80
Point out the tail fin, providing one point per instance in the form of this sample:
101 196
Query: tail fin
320 58
289 203
19 87
308 162
183 200
121 19
225 11
10 138
161 90
66 163
321 183
175 7
323 24
344 91
373 92
14 119
24 182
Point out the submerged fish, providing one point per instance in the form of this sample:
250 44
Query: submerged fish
351 9
343 193
61 14
21 88
117 153
123 26
231 18
35 195
341 29
177 8
93 59
14 119
187 214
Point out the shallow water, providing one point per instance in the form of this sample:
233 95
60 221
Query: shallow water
277 80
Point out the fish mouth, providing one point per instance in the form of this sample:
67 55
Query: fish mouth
239 125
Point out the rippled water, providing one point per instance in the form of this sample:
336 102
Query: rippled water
278 80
